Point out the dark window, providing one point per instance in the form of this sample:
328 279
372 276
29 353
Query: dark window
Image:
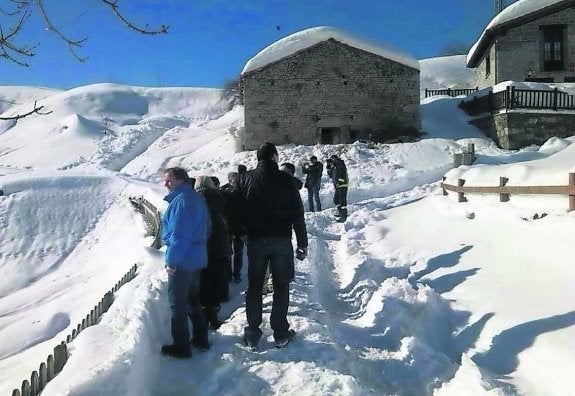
569 79
553 48
487 65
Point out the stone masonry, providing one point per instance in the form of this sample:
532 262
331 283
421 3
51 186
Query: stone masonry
516 129
328 86
520 50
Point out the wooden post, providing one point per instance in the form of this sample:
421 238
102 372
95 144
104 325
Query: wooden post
50 363
571 196
43 376
34 383
503 197
555 93
26 388
60 357
461 195
426 91
444 190
16 392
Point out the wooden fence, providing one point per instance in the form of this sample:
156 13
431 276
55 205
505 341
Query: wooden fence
151 217
450 92
55 362
505 191
513 98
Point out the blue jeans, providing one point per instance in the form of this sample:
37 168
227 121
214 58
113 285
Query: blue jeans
313 193
278 253
184 299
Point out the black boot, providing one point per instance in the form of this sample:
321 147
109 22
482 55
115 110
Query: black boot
342 215
211 315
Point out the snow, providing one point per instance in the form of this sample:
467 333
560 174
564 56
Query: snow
293 43
516 10
415 294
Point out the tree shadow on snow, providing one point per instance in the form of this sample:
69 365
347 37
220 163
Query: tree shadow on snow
442 261
502 357
448 282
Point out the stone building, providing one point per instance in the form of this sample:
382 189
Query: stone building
322 85
528 41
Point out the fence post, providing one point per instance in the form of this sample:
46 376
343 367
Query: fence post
60 357
43 376
461 195
16 392
555 93
571 196
26 391
503 197
50 364
444 190
449 92
426 91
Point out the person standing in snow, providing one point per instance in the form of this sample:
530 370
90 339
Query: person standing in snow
289 168
185 231
271 207
337 171
214 280
313 172
231 192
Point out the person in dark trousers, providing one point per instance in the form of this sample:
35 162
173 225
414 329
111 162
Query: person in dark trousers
271 207
185 230
313 171
337 171
231 192
214 279
289 168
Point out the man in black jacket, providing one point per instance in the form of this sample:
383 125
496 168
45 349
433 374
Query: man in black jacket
313 173
271 208
337 171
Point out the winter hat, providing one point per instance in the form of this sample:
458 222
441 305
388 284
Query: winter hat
266 151
203 183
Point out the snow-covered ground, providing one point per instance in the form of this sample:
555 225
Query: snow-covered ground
415 294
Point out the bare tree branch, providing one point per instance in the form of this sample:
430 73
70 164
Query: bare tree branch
71 43
17 15
113 4
8 49
36 110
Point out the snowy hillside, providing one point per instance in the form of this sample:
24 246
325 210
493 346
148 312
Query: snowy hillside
416 294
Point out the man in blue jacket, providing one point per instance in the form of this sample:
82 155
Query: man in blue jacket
185 231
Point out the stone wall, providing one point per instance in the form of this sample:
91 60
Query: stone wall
520 50
329 85
515 129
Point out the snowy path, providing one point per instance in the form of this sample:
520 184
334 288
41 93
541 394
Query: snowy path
345 344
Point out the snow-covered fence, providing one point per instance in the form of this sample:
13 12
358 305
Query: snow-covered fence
55 362
450 92
151 217
514 98
505 191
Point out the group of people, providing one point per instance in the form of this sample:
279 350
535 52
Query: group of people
337 172
205 224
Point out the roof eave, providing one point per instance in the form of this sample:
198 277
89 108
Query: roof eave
489 34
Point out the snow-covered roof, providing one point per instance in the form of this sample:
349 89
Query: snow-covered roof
521 11
306 38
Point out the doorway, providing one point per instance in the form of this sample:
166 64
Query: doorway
329 135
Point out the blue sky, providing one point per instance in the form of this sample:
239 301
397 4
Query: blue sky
209 41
